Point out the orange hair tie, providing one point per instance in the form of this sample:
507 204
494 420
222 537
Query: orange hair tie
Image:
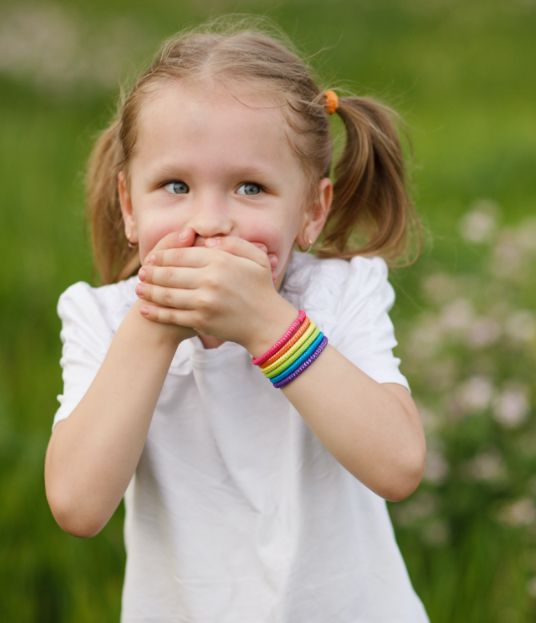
332 102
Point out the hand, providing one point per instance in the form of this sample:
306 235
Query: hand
185 238
226 291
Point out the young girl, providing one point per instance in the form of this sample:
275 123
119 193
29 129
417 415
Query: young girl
240 394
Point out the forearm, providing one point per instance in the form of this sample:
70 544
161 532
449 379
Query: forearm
372 431
93 454
361 423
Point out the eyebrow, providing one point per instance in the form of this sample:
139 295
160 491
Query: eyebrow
244 171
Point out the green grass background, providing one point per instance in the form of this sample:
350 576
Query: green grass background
462 76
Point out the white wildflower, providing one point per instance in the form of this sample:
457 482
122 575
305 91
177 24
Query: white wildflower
425 337
488 466
441 374
511 406
521 326
439 288
480 223
507 259
457 316
60 52
474 394
420 506
519 513
437 467
428 418
484 331
38 40
525 235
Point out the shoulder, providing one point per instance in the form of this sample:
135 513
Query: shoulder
102 306
303 267
335 286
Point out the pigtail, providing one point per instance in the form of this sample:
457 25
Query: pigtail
370 194
113 260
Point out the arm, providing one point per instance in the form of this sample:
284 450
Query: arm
372 429
93 454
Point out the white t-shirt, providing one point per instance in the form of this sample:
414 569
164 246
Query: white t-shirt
236 512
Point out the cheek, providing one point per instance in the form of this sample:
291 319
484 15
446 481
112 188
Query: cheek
276 237
151 232
279 241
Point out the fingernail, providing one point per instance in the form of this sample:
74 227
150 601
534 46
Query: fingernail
273 260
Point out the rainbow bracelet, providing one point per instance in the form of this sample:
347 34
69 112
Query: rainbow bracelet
282 341
293 353
304 365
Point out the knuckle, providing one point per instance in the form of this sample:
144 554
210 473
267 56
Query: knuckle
167 274
206 301
213 282
175 254
167 315
163 314
167 296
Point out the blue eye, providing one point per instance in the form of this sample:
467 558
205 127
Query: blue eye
250 188
177 188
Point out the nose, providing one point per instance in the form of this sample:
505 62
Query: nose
211 216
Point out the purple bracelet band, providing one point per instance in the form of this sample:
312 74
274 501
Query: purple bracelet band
282 341
304 365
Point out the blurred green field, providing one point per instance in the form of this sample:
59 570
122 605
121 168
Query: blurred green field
462 77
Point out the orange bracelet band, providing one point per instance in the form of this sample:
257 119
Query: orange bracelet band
289 344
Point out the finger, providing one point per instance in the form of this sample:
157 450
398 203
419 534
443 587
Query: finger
166 297
170 276
241 248
193 257
168 315
174 239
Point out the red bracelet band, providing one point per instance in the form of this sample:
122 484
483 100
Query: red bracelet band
282 341
301 330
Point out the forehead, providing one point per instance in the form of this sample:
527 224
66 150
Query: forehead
215 120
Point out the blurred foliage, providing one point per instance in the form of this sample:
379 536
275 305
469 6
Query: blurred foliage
471 353
459 74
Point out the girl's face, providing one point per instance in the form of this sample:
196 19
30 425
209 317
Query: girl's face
222 165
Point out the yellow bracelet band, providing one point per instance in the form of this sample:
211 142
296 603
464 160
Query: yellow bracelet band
291 350
305 345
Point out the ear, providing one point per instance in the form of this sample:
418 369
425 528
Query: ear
125 201
317 213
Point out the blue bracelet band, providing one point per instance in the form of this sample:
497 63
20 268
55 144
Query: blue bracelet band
304 365
298 362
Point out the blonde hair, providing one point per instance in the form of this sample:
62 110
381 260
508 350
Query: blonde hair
370 196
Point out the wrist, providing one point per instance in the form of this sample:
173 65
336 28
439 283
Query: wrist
270 326
168 333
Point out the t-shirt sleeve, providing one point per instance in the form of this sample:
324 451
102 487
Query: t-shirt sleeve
364 332
86 337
